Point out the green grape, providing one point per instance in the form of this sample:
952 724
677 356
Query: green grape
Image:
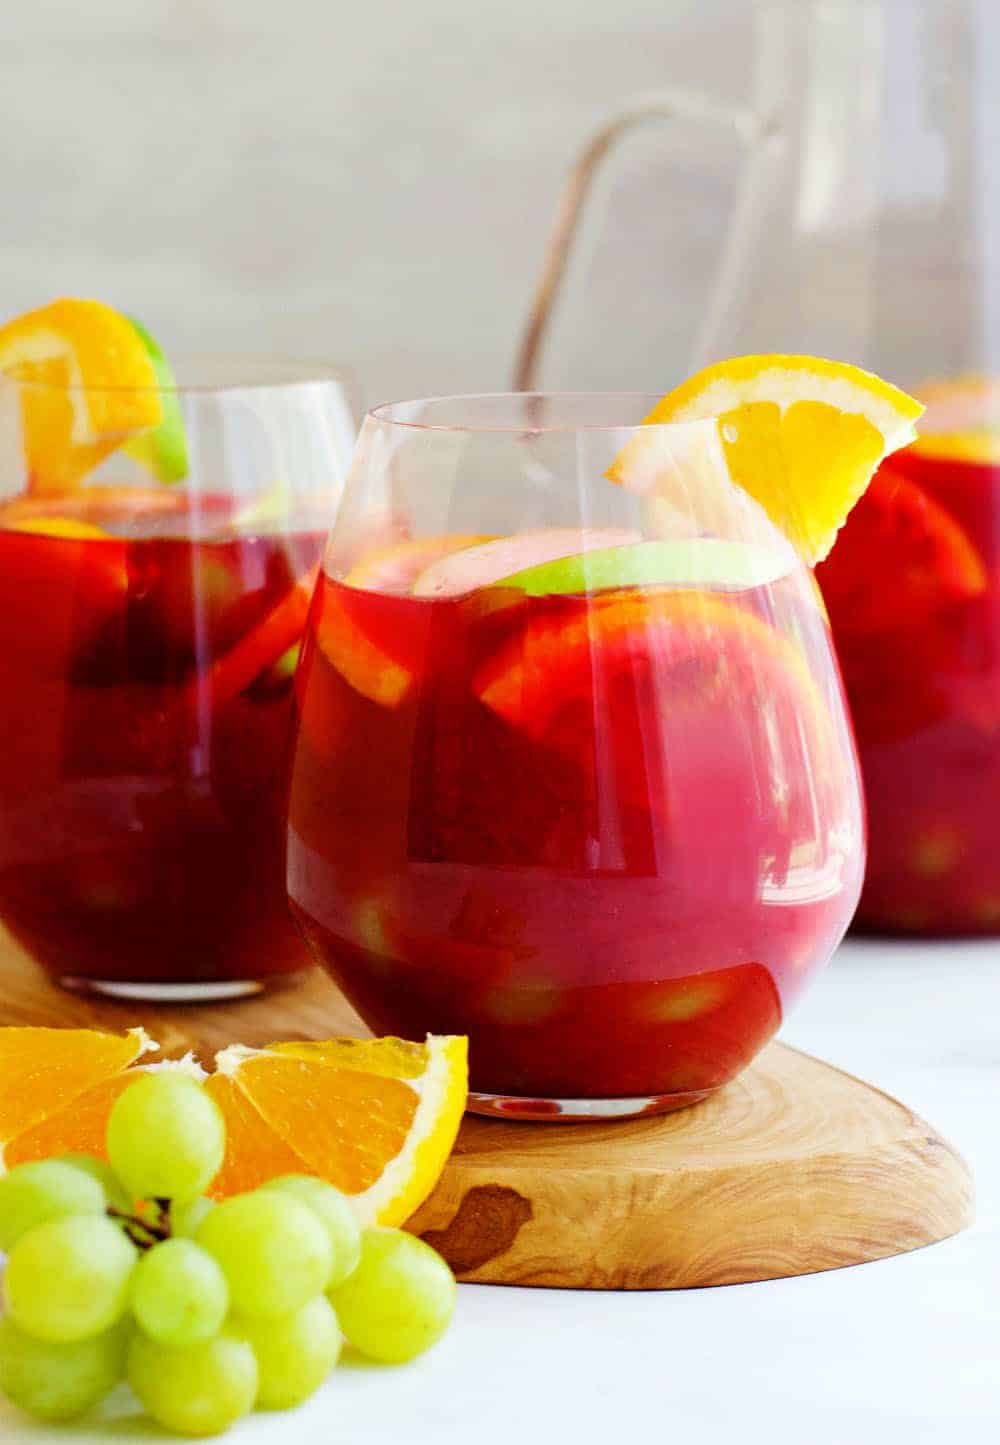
185 1218
60 1381
166 1137
273 1251
179 1294
335 1214
399 1300
199 1391
295 1353
69 1279
31 1194
114 1191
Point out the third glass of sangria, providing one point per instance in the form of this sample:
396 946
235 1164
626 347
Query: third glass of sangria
571 771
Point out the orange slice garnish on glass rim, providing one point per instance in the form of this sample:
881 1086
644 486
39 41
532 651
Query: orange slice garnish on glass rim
90 385
800 435
375 1117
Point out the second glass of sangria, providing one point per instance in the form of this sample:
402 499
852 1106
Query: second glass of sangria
571 771
158 547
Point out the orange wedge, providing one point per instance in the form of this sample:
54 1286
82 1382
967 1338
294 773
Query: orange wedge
44 1073
375 1117
800 435
90 384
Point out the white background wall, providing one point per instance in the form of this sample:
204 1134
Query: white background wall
370 182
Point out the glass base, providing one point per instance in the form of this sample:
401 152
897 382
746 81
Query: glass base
206 991
580 1111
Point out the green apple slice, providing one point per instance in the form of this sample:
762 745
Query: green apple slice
691 562
163 449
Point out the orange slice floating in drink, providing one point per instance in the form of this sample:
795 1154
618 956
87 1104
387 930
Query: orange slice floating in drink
554 659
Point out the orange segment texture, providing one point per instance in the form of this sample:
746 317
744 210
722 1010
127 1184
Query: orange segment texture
44 1070
780 459
254 1152
78 1129
344 1124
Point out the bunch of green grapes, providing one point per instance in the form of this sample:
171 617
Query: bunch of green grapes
126 1270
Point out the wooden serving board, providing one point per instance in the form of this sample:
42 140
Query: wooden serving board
793 1168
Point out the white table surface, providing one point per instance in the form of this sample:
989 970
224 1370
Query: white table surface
906 1350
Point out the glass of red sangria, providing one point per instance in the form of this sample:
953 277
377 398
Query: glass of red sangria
154 586
571 772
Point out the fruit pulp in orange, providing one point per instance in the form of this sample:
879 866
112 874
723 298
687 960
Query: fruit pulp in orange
144 702
608 837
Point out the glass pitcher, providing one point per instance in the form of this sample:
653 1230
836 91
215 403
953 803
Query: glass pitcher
865 225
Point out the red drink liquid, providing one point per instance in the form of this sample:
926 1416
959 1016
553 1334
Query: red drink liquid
144 703
913 589
608 837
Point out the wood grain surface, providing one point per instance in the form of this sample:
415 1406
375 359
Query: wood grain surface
793 1168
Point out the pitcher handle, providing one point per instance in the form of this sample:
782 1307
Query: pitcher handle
758 134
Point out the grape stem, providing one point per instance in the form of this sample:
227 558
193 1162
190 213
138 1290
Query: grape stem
142 1232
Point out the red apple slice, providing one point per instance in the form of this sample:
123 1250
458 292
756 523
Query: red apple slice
474 567
394 569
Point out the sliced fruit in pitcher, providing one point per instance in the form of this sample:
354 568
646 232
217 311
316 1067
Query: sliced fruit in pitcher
962 421
800 435
468 569
91 384
898 525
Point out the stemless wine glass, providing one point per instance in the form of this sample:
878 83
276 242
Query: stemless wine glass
571 772
150 616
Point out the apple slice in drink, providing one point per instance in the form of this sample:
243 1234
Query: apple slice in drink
381 665
461 572
705 562
395 568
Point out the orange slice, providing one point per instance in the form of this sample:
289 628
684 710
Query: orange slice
375 1117
800 435
45 1072
717 647
90 384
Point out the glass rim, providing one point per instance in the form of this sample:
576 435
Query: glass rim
642 401
261 373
